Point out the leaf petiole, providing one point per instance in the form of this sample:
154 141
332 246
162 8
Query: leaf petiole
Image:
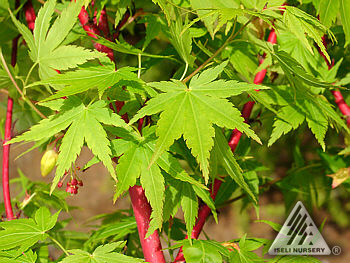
59 245
18 89
29 73
185 71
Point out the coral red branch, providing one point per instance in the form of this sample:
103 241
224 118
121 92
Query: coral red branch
30 14
92 30
338 97
204 211
102 24
151 246
7 137
343 107
5 161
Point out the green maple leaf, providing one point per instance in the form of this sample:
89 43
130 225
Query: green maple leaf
328 11
224 156
134 164
12 256
204 251
301 24
84 124
90 76
102 254
189 204
192 111
24 233
281 126
45 44
136 152
344 11
316 114
299 103
181 192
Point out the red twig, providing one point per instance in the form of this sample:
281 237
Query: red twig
204 211
92 30
7 137
338 97
102 24
5 161
343 107
151 247
30 14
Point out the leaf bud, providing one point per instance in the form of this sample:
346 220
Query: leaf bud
48 162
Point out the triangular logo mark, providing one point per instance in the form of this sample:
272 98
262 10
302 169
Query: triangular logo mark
293 238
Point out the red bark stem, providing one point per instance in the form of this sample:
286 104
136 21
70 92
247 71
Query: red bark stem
343 107
204 211
30 14
338 97
151 247
5 161
102 24
92 30
7 137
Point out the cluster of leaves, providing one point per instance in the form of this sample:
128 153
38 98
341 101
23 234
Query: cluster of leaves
175 143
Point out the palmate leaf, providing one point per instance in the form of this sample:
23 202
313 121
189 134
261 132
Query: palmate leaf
293 68
136 153
152 182
182 113
281 126
11 256
44 44
204 251
101 254
228 14
316 121
189 204
84 124
244 256
88 77
207 16
169 164
225 157
301 23
184 193
328 10
24 233
116 230
345 19
215 14
134 164
182 41
295 48
304 105
167 8
126 48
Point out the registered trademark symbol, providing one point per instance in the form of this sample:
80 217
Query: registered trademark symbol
336 250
